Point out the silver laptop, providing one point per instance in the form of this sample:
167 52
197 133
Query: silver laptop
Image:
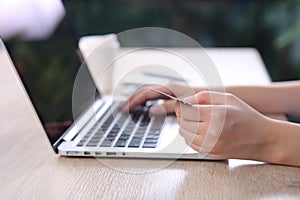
100 128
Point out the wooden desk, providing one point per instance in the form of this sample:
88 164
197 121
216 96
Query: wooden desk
30 170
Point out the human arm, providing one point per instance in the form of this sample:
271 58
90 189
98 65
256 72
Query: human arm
281 97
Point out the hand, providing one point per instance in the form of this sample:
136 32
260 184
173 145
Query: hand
223 126
144 94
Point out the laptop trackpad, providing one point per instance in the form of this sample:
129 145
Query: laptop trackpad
172 141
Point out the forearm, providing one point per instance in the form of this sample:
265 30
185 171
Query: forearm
265 99
275 98
282 146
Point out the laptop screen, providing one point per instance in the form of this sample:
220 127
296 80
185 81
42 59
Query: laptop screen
48 69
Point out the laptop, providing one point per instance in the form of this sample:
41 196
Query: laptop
98 128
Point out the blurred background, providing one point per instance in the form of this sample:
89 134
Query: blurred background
41 34
273 27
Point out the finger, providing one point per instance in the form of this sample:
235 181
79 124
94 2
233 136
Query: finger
190 137
194 113
199 128
207 97
195 147
200 149
178 112
142 95
195 142
164 108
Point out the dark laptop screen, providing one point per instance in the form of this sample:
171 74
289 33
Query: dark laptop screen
48 69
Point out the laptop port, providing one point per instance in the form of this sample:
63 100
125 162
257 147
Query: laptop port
87 153
111 153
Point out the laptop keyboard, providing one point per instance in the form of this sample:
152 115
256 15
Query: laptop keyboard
124 130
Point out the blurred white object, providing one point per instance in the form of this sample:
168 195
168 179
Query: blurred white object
99 52
30 19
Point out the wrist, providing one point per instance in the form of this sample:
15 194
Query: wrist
281 144
264 140
270 151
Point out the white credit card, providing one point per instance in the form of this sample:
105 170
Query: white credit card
171 97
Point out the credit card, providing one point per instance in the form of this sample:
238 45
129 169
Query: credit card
171 97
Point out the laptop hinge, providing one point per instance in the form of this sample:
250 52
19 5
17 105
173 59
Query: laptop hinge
57 143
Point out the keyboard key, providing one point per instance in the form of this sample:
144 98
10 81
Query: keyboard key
80 144
115 130
121 143
152 137
154 133
94 140
137 113
124 136
158 123
97 137
141 129
88 134
152 140
101 131
92 144
129 127
135 142
110 138
106 143
83 140
146 119
149 145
